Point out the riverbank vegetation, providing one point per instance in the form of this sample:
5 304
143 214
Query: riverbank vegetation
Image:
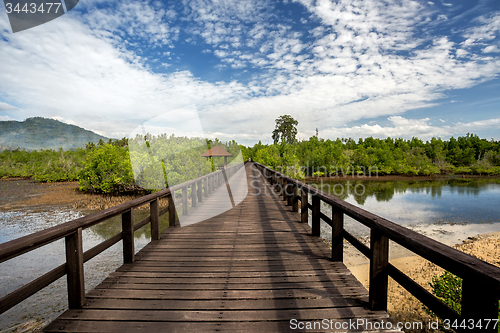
468 154
106 167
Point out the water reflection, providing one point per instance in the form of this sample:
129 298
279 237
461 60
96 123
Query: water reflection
448 210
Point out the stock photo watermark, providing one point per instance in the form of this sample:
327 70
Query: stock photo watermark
26 14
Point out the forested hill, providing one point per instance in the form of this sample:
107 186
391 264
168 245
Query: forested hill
43 133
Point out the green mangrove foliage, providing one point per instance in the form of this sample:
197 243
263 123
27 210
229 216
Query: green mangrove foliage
149 163
43 165
317 157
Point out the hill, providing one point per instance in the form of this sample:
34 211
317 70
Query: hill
44 133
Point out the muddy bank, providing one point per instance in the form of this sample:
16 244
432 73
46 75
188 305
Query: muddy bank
402 305
61 193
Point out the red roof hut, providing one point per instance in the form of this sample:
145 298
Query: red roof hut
217 151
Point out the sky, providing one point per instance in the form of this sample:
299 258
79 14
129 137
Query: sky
351 68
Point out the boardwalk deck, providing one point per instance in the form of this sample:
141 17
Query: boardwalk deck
253 268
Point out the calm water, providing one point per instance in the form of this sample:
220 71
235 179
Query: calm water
448 210
17 221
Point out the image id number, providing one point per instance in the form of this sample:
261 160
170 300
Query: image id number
34 8
470 324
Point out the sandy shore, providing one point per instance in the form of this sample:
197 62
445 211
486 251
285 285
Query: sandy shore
404 307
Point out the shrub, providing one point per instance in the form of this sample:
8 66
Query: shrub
448 288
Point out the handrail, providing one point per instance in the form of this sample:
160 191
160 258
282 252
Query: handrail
72 232
481 280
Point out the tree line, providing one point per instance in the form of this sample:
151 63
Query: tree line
106 167
467 154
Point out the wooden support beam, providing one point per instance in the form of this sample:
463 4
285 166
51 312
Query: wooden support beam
316 225
337 235
74 270
283 188
172 220
479 303
379 247
184 201
128 237
304 210
200 194
295 199
193 195
154 209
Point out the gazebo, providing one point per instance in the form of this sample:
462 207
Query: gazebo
217 151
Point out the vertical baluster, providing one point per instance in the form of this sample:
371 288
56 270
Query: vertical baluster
478 302
184 201
128 237
304 210
284 184
74 270
295 199
200 196
337 237
154 210
316 226
193 194
171 210
379 248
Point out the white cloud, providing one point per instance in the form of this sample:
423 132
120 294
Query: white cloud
5 107
86 79
363 60
407 128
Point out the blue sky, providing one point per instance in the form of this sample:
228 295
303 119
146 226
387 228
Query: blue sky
352 68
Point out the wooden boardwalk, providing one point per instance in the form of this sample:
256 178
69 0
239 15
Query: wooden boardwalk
253 268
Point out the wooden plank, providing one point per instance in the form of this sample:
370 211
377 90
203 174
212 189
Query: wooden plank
230 305
229 294
214 326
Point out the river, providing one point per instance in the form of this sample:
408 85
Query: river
448 209
17 220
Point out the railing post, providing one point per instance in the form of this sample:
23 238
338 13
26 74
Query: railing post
184 201
200 196
74 270
304 210
289 194
193 194
171 211
128 237
316 226
337 237
295 199
154 211
284 184
205 186
379 248
209 185
478 302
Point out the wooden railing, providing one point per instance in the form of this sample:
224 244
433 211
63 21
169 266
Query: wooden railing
72 233
481 281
